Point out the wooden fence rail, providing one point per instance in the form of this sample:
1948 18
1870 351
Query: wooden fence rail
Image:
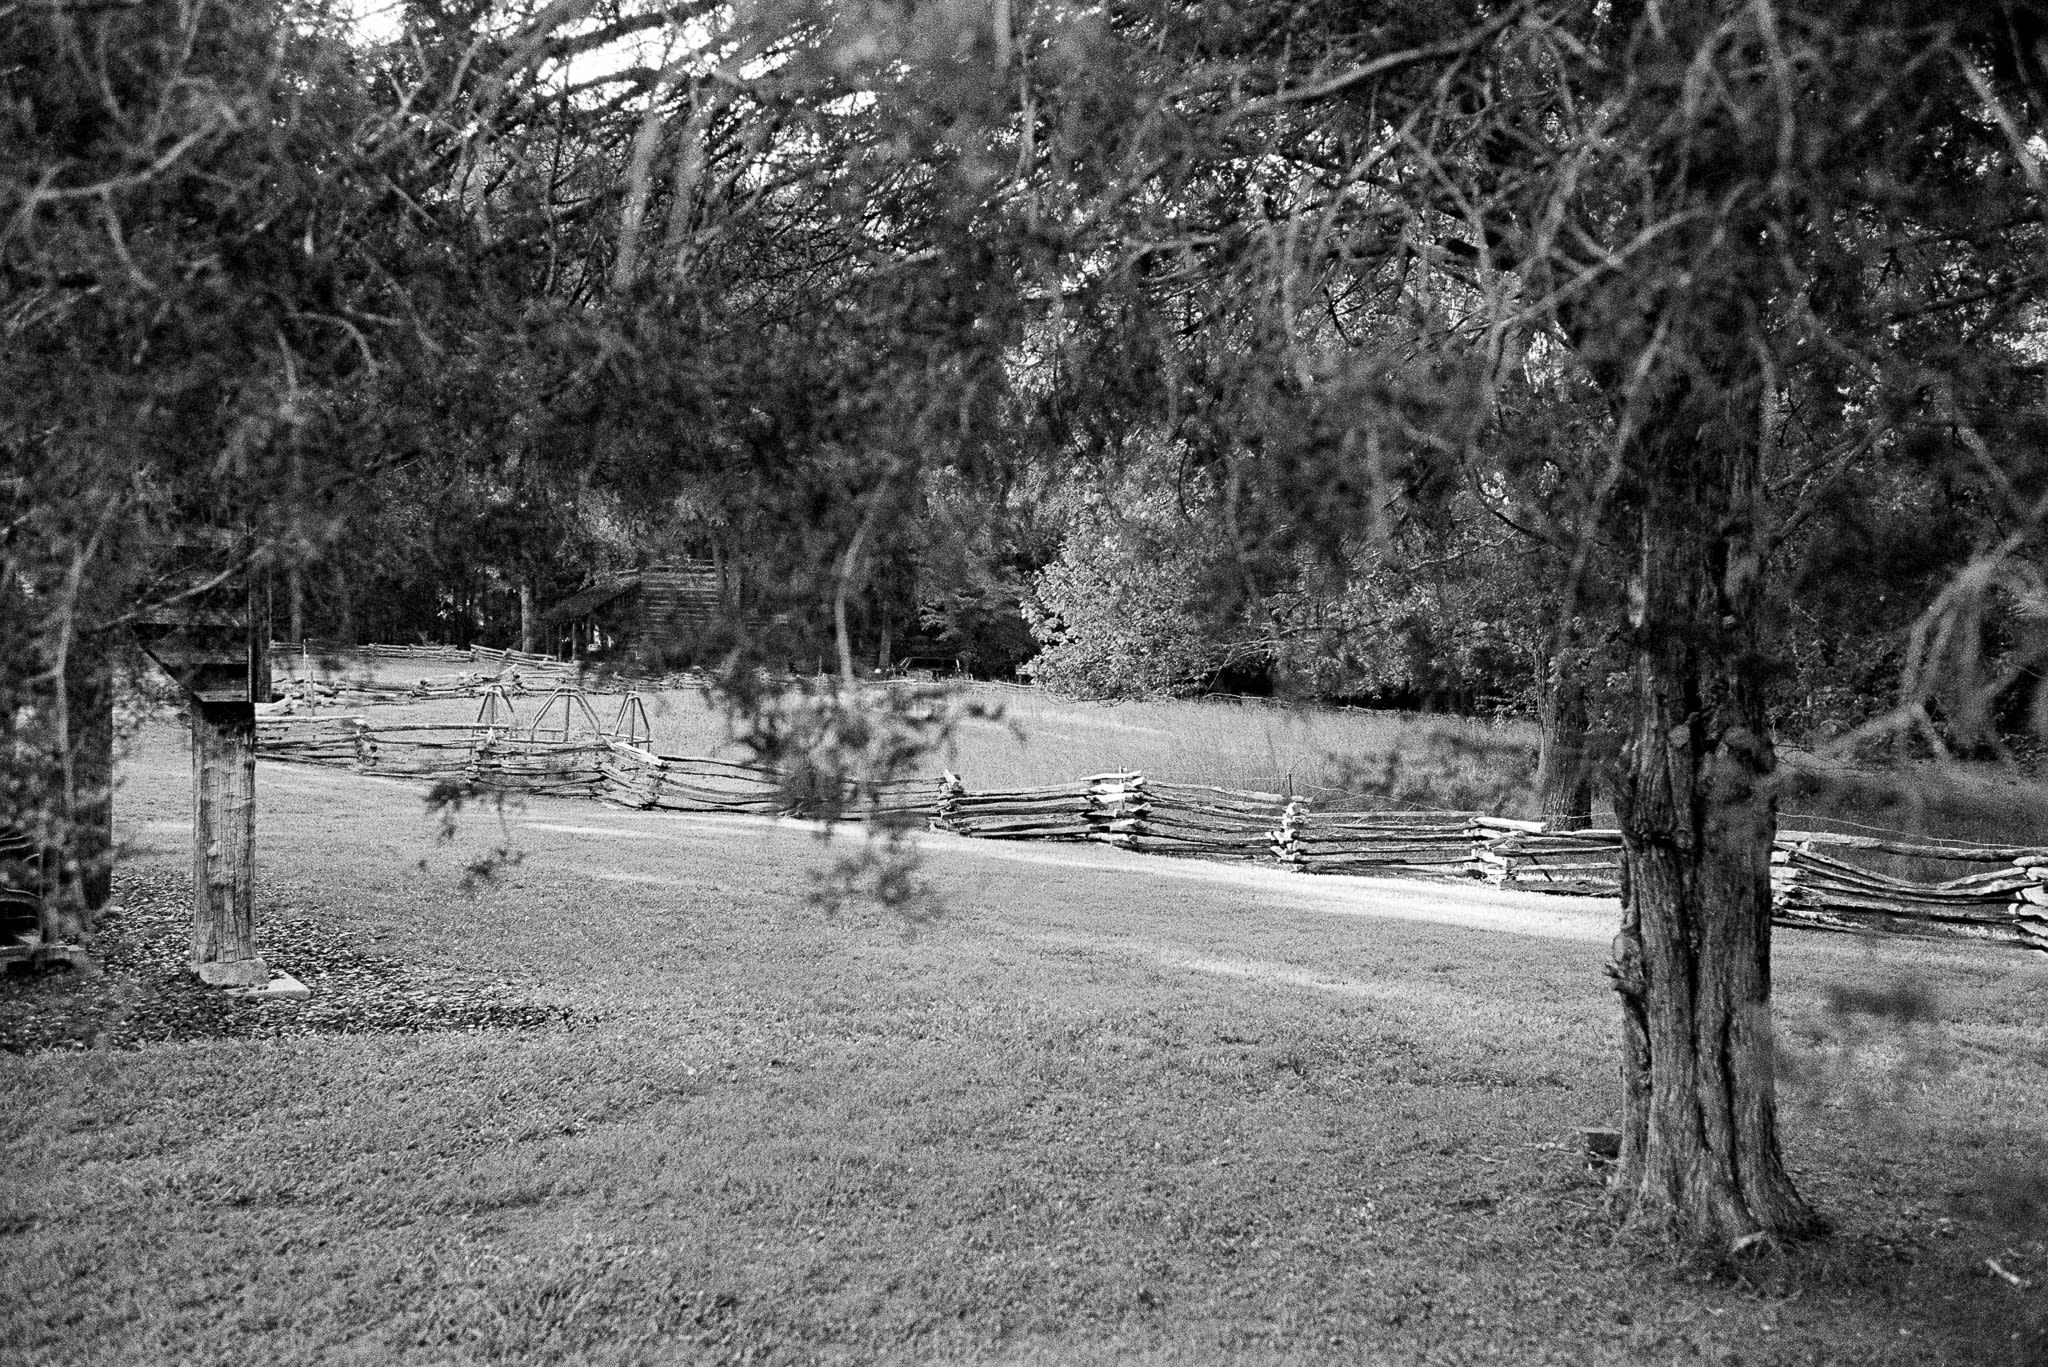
1540 860
636 777
2007 903
1813 885
511 669
1195 819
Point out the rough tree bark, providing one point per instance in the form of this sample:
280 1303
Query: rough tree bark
529 619
1700 1158
87 875
345 609
1676 336
295 599
1564 772
261 624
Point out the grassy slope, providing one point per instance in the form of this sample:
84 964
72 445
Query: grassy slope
1044 739
1108 1108
1340 758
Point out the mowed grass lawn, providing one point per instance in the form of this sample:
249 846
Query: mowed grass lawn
1107 1108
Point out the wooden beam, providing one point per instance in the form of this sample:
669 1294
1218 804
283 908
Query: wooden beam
224 845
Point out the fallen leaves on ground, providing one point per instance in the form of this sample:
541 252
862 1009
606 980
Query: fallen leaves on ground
142 990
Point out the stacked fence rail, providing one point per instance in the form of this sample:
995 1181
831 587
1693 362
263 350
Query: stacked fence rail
1816 882
1099 807
2007 903
636 777
295 684
1427 844
550 768
330 740
1213 823
418 750
1586 862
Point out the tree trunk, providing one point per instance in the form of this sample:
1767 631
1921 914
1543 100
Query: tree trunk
345 624
529 620
295 598
87 870
261 685
1564 771
224 845
1700 1159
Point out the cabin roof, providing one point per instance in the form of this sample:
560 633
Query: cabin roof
591 599
675 585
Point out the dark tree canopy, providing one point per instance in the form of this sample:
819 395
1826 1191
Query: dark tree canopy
1667 364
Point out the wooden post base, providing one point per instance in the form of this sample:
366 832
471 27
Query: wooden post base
234 973
224 844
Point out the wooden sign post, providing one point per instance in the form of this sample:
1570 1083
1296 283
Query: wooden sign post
210 644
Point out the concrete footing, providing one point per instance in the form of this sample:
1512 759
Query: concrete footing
281 987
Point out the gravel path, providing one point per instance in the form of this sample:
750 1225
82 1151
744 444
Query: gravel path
142 991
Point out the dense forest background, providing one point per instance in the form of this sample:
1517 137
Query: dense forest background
460 308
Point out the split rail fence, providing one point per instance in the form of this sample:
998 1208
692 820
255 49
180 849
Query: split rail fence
568 752
517 671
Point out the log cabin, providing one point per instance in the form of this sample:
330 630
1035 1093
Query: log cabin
662 609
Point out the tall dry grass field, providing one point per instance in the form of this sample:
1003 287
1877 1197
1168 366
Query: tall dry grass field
1337 757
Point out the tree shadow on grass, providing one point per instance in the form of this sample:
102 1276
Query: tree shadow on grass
1929 1286
1941 1213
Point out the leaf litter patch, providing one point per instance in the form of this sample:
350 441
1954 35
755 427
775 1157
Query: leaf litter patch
143 992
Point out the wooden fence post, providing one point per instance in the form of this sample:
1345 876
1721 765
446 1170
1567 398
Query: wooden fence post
215 643
1287 840
224 845
946 810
